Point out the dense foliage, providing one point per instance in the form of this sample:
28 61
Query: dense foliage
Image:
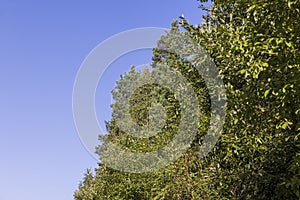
255 44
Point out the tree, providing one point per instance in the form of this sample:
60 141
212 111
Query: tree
179 179
255 45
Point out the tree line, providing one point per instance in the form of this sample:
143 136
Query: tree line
255 46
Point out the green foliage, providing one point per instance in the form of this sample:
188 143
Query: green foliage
255 45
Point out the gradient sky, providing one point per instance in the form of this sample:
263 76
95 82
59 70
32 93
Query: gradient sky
42 45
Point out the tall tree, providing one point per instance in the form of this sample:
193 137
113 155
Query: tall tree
180 179
255 45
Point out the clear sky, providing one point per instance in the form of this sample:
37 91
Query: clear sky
42 45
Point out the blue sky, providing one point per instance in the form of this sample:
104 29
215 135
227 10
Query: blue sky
42 45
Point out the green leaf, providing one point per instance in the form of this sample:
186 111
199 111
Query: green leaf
267 92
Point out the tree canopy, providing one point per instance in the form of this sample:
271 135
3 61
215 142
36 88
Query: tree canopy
255 46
